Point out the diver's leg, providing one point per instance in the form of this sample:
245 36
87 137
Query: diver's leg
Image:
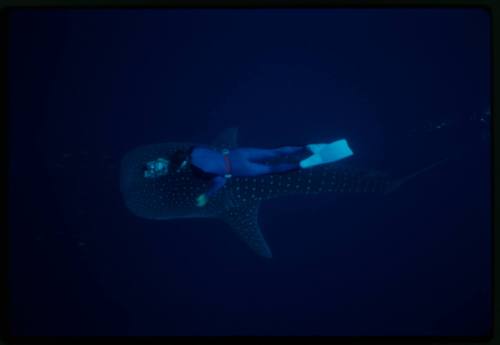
284 167
254 154
255 169
290 150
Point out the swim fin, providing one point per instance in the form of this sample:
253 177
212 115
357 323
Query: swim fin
326 153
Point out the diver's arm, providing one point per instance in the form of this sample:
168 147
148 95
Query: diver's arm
215 185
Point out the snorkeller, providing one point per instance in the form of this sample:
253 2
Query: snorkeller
220 165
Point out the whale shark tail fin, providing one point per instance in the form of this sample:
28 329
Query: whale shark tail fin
401 181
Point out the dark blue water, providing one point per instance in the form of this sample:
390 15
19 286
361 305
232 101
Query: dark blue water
405 87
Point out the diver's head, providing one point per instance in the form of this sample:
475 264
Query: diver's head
180 159
156 168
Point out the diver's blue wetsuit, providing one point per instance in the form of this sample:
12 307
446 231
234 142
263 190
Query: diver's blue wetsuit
240 162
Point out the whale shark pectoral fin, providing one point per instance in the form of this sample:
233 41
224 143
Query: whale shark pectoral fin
228 138
243 220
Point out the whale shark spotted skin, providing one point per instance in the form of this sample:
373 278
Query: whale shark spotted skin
237 203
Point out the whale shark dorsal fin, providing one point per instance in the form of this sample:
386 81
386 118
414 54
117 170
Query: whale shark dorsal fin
228 138
243 221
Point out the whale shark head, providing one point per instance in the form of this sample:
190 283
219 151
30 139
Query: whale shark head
173 193
166 196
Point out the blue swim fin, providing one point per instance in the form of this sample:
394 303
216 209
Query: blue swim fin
326 153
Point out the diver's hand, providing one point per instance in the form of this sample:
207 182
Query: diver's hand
201 200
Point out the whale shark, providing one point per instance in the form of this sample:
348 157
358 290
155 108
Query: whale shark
173 195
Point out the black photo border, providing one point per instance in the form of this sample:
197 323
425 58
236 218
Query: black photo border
490 6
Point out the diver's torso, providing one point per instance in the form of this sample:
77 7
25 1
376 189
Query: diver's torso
208 161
